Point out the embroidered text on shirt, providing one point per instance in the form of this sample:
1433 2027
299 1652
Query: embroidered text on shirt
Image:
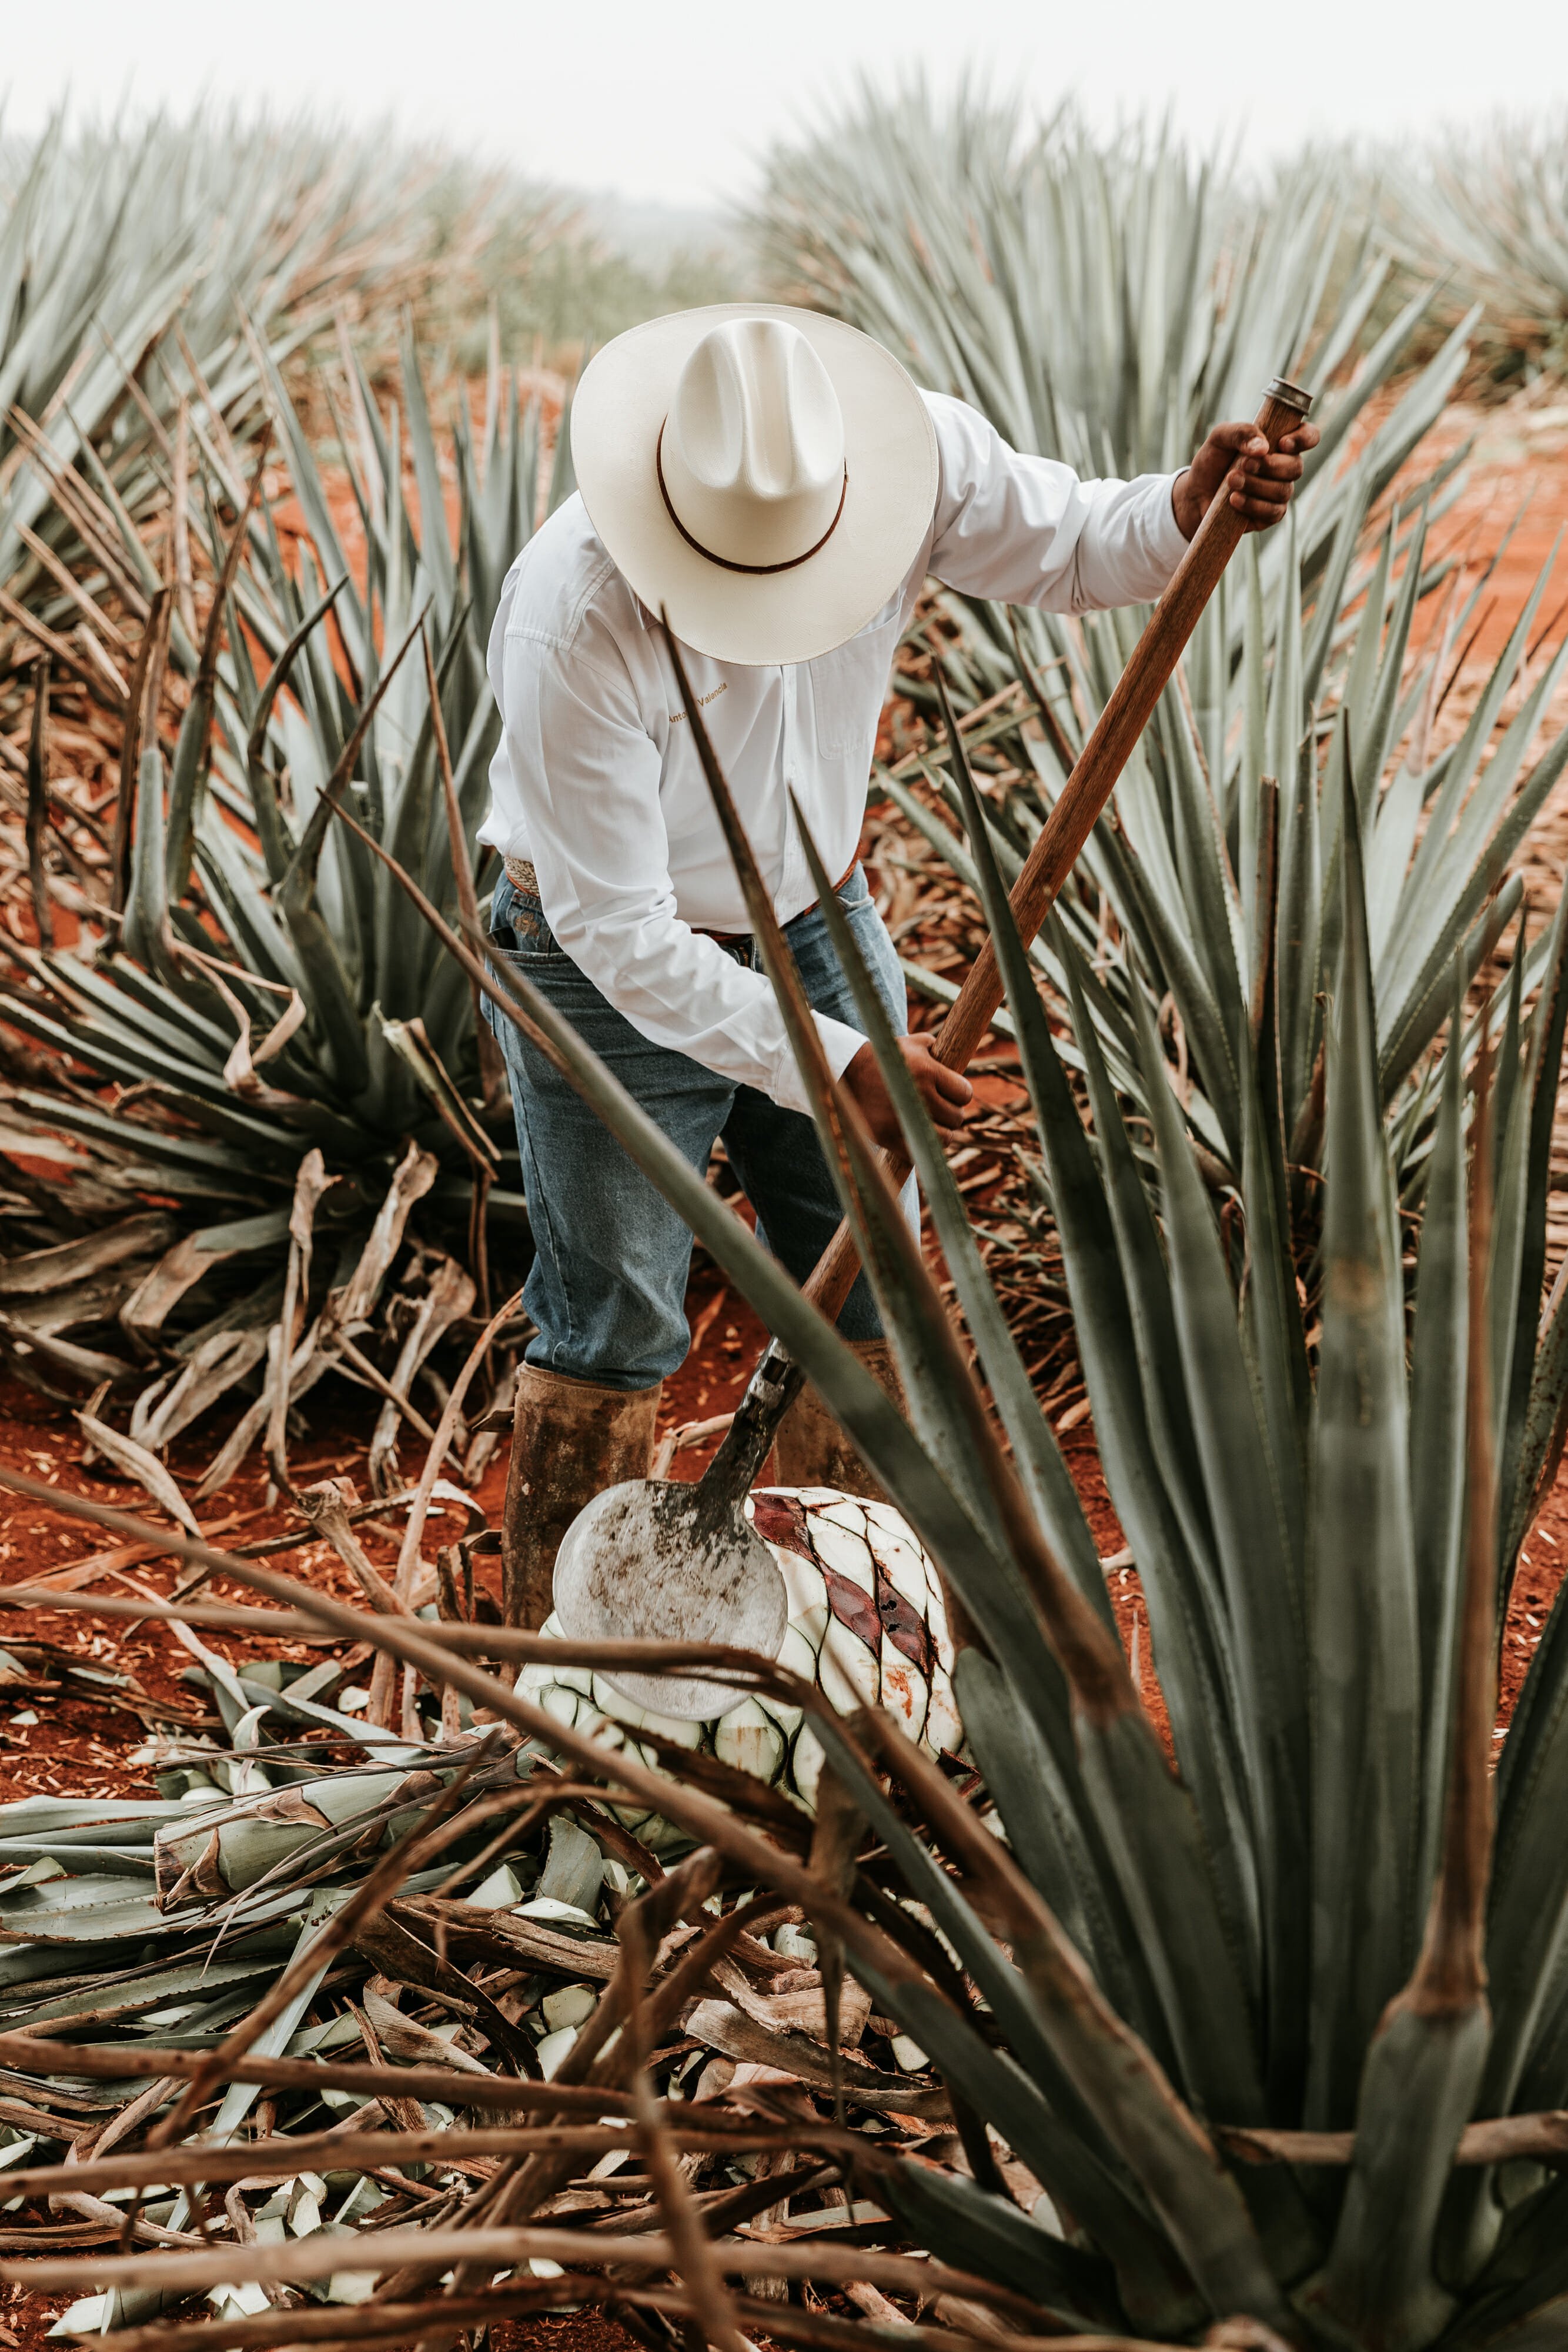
703 701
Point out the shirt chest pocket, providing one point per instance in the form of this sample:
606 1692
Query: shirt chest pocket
847 689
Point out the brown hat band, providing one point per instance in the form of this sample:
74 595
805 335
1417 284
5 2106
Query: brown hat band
724 560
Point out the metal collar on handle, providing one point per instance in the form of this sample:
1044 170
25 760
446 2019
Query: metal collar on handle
1289 395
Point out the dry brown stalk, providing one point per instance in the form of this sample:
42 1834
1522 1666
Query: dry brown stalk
696 2263
255 2161
315 2257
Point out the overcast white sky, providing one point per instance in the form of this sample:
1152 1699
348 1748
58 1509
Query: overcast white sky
674 98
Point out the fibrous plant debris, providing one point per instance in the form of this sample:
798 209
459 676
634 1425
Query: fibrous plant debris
329 1893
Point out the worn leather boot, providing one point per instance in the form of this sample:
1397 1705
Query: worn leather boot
571 1439
812 1449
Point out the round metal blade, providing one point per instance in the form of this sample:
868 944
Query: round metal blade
655 1561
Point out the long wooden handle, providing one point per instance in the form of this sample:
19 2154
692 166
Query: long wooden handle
1083 797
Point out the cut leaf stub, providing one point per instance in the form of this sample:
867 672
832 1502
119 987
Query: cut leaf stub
784 1521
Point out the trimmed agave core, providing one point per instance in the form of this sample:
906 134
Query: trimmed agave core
866 1624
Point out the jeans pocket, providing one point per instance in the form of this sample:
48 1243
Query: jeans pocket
519 928
521 939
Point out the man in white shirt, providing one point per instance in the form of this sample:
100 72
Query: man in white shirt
775 482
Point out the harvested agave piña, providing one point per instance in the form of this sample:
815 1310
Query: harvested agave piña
866 1624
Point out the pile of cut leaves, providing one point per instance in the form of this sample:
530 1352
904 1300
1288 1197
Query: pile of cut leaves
345 1293
446 1949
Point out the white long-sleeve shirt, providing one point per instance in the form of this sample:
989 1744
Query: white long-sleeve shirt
595 779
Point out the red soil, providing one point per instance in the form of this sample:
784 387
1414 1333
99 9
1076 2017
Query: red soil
1518 482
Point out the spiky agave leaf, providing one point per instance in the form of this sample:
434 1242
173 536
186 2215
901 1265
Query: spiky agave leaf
1363 1797
1493 203
270 998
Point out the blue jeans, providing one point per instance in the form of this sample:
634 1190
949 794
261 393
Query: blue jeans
607 1289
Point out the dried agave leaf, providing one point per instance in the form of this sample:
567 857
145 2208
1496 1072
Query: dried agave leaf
217 1365
448 1298
138 1464
68 1263
190 1258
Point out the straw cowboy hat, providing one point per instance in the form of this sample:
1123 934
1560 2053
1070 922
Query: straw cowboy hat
764 474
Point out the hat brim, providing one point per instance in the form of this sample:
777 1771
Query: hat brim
890 455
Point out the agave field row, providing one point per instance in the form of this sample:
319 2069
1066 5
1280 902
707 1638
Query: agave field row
231 636
1083 275
260 1045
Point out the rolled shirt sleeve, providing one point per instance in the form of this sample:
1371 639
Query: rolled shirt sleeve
576 743
1027 532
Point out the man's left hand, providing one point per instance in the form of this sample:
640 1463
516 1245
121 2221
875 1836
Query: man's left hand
1259 484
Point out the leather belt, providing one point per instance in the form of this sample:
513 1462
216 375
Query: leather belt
520 874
